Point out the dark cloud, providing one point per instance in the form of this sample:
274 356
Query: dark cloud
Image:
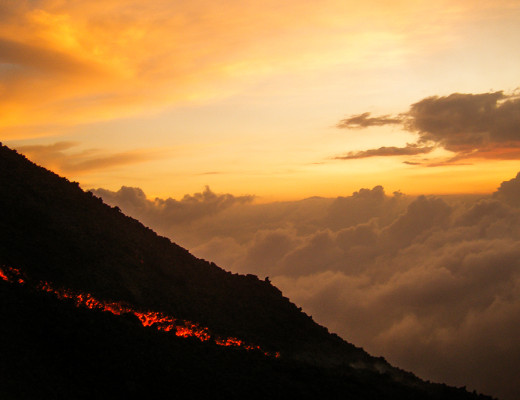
364 121
467 122
509 191
432 284
58 158
408 150
485 125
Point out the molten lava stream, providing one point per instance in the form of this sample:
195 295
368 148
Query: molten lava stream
160 321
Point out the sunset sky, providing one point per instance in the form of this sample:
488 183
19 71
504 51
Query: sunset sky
197 116
262 98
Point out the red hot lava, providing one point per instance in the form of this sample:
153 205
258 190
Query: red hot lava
160 321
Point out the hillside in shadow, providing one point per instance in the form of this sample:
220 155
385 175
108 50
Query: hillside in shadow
54 232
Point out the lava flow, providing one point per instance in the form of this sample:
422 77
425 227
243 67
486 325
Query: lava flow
158 320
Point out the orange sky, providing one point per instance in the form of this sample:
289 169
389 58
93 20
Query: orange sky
246 96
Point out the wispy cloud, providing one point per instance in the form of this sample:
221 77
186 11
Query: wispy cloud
364 121
408 150
485 125
58 157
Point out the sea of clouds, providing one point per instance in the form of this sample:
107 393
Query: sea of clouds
431 283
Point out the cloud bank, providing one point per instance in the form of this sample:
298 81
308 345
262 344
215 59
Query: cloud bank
430 283
167 212
485 125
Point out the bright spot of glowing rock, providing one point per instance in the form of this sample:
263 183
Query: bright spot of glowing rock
160 321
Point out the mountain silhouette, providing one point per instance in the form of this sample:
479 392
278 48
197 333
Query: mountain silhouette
76 256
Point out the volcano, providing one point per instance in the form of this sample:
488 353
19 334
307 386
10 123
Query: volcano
96 305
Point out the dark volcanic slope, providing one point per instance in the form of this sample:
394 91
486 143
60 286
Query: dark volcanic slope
54 350
53 231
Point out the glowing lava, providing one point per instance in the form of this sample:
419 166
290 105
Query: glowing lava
158 320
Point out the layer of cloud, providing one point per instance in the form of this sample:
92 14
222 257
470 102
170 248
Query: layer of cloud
408 150
430 283
485 125
364 120
57 157
165 213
